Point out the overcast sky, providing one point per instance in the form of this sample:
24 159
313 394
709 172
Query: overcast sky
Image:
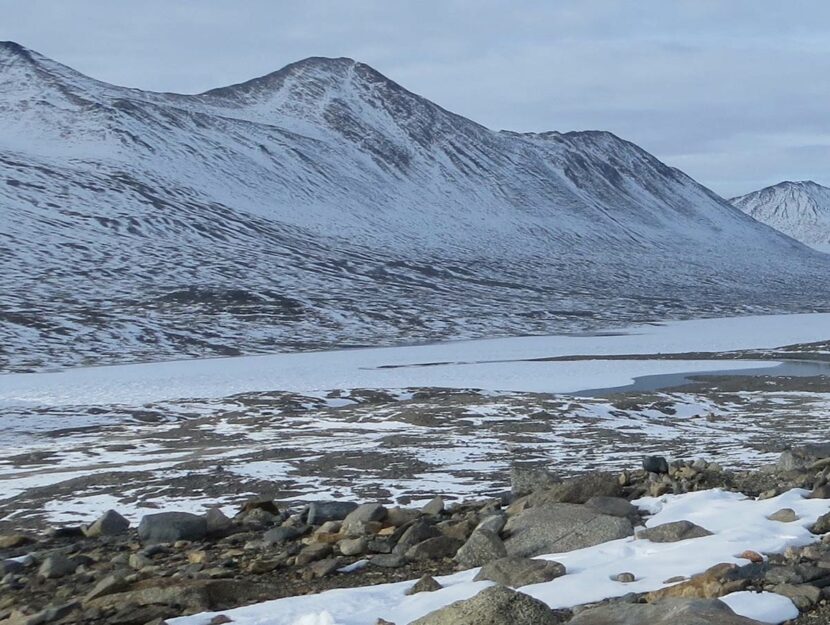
734 93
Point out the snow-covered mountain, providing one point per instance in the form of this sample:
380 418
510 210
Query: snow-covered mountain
799 209
324 204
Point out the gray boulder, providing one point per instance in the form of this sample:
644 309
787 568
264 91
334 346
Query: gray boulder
168 527
319 512
57 565
108 524
666 612
655 464
613 506
516 571
578 489
495 523
820 492
416 533
673 532
496 605
355 522
524 479
482 546
433 507
555 528
434 548
281 534
822 525
803 456
217 522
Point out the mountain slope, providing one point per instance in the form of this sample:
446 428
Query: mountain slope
324 204
798 209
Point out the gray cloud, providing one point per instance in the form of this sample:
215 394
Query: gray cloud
734 93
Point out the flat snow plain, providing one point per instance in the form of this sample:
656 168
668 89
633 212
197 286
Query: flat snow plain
737 524
494 364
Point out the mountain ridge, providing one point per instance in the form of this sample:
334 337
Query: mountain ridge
343 210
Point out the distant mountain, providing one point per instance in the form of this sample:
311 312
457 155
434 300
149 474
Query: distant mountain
798 209
324 204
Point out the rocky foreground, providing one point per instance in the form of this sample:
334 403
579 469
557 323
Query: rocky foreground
177 563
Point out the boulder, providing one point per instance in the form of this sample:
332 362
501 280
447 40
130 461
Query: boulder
524 479
668 612
495 523
280 535
714 582
434 507
357 520
168 527
318 512
496 605
414 534
57 565
217 522
612 506
353 546
655 464
516 571
822 524
555 528
10 541
482 547
578 490
434 549
820 492
108 524
802 457
673 532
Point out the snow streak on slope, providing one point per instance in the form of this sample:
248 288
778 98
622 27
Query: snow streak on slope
798 209
322 205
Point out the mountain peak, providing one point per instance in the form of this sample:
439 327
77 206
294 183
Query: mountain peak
799 208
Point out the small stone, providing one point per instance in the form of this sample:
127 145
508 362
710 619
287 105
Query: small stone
752 556
262 565
784 515
624 578
434 507
108 524
655 464
197 557
427 583
322 568
220 619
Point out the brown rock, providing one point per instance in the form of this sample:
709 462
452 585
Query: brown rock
710 584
